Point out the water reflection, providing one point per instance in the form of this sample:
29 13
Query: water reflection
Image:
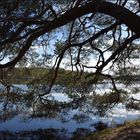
22 111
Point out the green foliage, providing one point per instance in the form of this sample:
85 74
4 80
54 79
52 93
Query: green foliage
58 48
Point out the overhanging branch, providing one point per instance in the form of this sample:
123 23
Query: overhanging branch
120 13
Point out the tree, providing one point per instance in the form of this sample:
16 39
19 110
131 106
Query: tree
75 32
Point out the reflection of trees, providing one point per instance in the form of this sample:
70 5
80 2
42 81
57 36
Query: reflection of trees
12 104
8 105
34 106
49 134
79 107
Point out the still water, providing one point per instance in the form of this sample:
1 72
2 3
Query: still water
27 112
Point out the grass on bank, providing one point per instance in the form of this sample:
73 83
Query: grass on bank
127 131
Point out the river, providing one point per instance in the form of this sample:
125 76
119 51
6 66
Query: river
25 115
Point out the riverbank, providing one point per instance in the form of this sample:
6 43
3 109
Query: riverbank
127 131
